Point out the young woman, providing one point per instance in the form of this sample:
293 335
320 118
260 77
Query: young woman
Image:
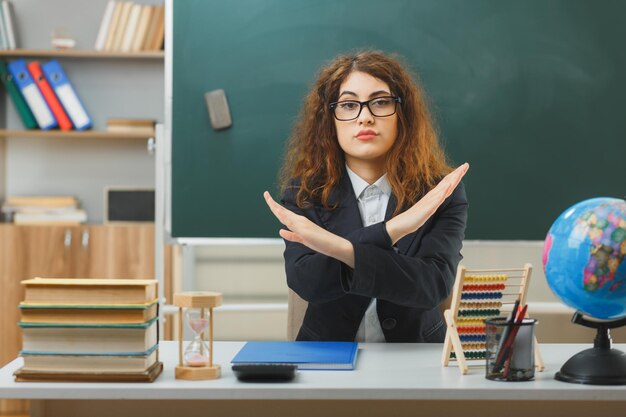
371 249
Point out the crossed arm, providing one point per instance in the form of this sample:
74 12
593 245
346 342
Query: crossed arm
302 230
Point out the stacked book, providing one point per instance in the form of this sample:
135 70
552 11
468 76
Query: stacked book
89 330
50 210
139 126
43 95
130 27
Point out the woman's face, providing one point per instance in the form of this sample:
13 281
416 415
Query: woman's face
367 139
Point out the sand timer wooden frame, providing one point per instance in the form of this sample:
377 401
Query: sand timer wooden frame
202 301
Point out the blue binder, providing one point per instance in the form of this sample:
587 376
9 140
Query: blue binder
67 95
306 355
33 97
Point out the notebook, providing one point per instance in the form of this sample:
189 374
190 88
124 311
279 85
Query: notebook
306 355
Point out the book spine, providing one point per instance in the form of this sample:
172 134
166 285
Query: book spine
18 100
159 33
152 26
8 24
51 98
67 95
142 28
131 28
121 27
143 325
115 21
52 201
32 95
105 26
4 44
126 341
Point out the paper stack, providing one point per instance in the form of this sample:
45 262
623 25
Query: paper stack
51 210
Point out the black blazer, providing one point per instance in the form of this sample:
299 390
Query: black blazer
409 279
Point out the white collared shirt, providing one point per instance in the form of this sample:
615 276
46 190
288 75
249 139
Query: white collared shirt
372 201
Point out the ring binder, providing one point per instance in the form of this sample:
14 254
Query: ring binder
31 94
67 95
51 98
20 104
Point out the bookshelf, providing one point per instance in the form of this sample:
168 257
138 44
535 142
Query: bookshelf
81 163
72 134
77 53
122 85
110 84
80 54
100 79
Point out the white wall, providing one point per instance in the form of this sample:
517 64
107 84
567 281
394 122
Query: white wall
248 274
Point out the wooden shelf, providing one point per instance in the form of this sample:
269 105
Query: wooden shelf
77 53
84 134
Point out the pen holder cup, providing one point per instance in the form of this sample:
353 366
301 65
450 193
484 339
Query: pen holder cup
510 350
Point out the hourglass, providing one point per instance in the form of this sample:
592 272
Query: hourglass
196 361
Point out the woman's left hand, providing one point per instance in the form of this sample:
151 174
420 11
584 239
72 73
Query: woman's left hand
304 231
415 217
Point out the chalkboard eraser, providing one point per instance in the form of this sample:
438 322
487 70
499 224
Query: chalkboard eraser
219 113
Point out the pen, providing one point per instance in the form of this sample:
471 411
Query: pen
510 321
505 352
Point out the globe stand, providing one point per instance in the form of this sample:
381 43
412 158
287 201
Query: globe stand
599 365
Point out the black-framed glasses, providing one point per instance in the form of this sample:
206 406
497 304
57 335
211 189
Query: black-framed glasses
351 109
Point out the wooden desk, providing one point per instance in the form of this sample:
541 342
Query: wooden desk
390 380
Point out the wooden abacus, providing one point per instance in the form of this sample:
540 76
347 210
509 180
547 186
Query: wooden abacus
481 294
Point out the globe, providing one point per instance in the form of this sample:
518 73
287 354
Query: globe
584 257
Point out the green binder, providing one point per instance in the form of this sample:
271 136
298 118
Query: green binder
22 108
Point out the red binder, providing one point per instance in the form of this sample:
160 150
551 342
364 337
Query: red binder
51 98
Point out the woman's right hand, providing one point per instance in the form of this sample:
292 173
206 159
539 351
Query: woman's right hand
304 231
415 217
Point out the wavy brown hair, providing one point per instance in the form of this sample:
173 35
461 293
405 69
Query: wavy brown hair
415 162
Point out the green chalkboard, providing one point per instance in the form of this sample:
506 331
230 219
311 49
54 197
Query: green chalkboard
532 93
